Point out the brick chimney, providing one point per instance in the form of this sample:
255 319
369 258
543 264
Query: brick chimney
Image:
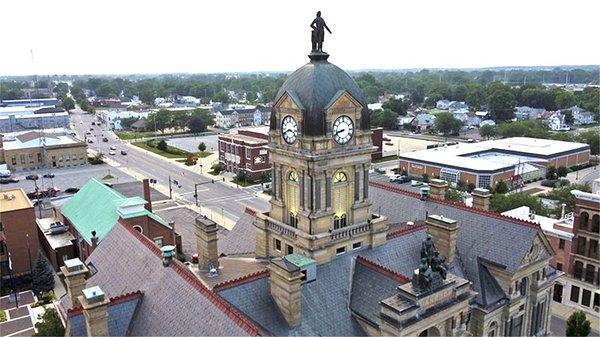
286 289
437 188
95 311
481 198
146 184
206 243
444 232
75 273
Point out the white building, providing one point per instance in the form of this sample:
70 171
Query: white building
113 118
556 122
442 104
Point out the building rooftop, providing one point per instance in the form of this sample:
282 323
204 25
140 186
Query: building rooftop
13 200
33 139
244 138
55 240
497 154
546 223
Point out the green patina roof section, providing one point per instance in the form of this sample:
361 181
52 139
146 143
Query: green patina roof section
94 208
299 260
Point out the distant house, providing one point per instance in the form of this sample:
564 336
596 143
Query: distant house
580 116
473 120
403 121
375 106
254 116
482 114
139 125
442 104
525 112
461 115
556 122
423 122
455 105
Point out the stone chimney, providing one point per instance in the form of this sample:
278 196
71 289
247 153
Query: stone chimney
206 243
286 289
75 273
481 198
437 188
444 232
94 240
95 311
148 205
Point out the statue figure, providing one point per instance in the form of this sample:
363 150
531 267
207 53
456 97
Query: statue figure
427 248
318 32
438 264
433 270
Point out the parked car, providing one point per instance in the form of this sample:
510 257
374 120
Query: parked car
113 147
5 173
123 152
389 144
380 170
415 183
112 153
72 190
49 175
400 179
105 139
90 140
386 139
8 180
93 123
50 192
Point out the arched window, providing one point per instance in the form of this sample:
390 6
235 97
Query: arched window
492 330
584 217
292 197
596 223
339 221
293 176
340 177
523 287
138 228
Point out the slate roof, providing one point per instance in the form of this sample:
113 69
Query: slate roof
136 189
314 85
240 239
120 314
94 208
174 303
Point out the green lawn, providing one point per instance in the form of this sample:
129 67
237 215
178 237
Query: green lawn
203 154
127 135
178 153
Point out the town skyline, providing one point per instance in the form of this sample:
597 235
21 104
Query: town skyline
455 35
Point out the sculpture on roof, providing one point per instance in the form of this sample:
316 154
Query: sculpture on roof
432 271
318 26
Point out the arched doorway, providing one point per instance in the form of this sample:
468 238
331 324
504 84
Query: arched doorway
431 331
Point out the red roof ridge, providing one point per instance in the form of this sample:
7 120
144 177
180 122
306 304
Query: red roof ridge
404 231
191 279
112 301
241 280
490 214
381 269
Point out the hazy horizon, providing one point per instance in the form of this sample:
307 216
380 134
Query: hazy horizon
178 37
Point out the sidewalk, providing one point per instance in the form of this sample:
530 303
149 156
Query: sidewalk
563 311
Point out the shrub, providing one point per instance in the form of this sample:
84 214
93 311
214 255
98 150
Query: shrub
50 324
501 187
202 147
578 324
191 160
470 187
551 172
216 168
162 145
562 171
453 195
425 177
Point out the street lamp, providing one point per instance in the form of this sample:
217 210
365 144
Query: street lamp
34 178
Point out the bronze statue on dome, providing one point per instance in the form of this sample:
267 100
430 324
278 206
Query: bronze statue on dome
318 33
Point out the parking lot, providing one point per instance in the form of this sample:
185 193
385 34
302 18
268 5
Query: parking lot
66 177
190 144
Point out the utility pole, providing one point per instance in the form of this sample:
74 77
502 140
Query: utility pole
170 189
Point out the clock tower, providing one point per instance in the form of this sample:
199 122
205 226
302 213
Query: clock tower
320 149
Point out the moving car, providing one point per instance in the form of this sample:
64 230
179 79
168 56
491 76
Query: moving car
90 140
380 170
4 173
398 178
48 175
8 180
50 192
105 139
113 147
123 152
112 152
72 190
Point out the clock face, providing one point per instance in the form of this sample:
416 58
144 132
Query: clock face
289 129
343 129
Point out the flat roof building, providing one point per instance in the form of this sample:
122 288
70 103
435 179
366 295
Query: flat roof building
486 163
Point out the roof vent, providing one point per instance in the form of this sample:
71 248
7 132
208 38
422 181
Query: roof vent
8 196
73 265
307 266
168 253
93 295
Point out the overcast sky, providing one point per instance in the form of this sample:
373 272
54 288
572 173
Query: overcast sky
126 36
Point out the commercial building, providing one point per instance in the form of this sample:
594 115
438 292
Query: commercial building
242 117
245 152
113 118
36 115
486 163
18 233
31 150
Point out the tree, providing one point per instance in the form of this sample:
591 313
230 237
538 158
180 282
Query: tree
447 124
569 119
161 120
578 325
551 172
501 187
106 91
454 195
562 171
384 118
398 106
251 96
504 202
488 131
592 138
42 275
191 160
501 102
50 324
563 195
565 99
207 117
126 122
196 124
162 145
202 147
68 103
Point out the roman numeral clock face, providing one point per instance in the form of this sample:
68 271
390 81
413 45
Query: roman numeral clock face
289 129
343 129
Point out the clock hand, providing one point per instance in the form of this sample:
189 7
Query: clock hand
340 131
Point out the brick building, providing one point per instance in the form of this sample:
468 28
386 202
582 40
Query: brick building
487 163
580 288
244 152
18 234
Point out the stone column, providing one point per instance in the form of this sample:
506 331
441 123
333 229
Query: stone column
75 273
437 188
481 198
285 282
444 232
206 243
95 311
